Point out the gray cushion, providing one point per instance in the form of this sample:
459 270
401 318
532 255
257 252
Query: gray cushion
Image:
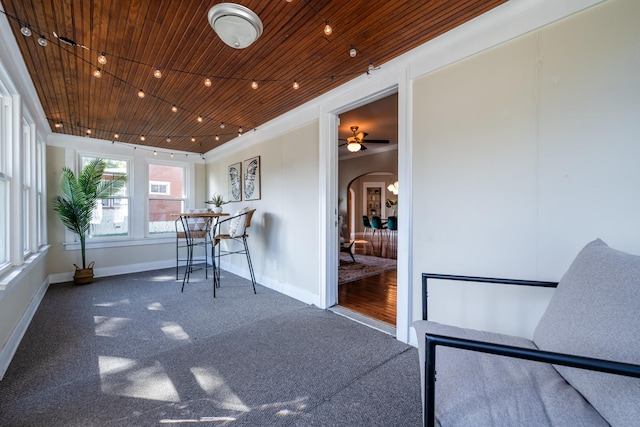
476 389
595 312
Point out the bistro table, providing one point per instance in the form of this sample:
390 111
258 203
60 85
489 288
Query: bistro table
193 229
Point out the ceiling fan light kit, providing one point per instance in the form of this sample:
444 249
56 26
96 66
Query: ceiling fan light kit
236 25
354 146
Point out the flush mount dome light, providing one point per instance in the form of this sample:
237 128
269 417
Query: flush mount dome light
236 25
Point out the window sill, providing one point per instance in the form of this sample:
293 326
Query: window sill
117 243
15 274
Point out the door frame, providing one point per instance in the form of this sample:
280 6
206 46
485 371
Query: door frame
362 94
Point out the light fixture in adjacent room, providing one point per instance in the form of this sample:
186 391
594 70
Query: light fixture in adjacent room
393 188
354 146
236 25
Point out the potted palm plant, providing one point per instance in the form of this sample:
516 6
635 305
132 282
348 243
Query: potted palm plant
77 201
217 201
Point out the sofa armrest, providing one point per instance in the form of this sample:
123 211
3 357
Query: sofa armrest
433 340
476 279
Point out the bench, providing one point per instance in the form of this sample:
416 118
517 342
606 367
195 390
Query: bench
582 366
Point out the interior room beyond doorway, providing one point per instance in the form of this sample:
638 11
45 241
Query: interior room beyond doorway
367 277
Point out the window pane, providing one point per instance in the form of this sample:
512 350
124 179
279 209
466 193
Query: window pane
110 218
166 197
166 181
162 215
4 236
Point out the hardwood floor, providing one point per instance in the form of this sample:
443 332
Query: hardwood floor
374 296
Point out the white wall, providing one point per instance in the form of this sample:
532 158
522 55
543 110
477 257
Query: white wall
528 151
283 238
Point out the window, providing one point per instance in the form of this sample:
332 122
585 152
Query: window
111 216
41 203
166 196
26 187
159 188
5 178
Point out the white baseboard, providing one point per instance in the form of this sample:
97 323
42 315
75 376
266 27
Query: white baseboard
7 352
115 271
284 288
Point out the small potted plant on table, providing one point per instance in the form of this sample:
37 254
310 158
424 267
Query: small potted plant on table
217 201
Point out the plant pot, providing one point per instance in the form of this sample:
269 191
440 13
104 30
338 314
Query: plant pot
217 209
83 276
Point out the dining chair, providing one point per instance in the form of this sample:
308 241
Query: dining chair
367 227
378 226
392 236
237 232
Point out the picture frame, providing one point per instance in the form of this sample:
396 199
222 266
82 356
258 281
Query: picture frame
251 179
234 176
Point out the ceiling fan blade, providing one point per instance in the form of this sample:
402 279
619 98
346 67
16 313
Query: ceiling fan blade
361 136
363 147
376 141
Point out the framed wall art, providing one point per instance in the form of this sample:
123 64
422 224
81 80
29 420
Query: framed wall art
251 178
235 182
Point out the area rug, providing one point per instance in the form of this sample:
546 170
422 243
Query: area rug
365 266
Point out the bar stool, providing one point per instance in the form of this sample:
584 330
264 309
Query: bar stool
238 225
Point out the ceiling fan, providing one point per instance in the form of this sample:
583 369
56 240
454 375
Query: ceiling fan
355 143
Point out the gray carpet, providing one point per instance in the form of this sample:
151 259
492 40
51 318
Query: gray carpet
134 351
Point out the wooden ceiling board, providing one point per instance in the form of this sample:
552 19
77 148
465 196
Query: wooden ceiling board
140 35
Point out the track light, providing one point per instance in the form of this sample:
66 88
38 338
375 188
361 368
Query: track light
25 30
102 59
156 73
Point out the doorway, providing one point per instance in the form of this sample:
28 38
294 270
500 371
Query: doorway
367 277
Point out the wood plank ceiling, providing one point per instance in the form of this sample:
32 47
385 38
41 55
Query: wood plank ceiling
139 36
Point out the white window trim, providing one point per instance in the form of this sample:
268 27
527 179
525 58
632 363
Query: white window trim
137 184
